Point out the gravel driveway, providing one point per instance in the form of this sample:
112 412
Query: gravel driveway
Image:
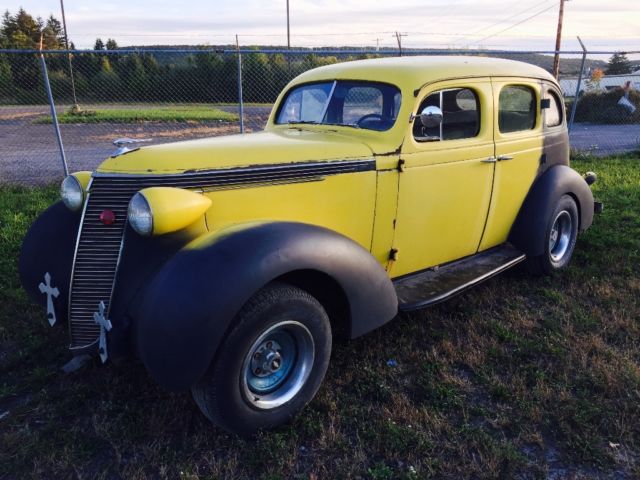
29 154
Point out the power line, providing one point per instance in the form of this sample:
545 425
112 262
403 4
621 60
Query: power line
510 17
518 23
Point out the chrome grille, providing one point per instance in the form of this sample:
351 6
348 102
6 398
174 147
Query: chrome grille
100 246
96 262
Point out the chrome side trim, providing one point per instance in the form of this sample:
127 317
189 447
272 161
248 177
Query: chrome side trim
331 167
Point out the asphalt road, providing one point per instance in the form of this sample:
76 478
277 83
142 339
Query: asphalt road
29 153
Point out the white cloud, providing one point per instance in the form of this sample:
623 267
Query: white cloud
352 22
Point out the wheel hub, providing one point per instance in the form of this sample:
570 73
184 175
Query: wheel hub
267 359
277 365
560 236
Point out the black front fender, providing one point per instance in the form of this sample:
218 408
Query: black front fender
48 247
529 229
189 306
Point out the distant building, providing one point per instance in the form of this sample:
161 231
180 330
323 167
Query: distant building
608 82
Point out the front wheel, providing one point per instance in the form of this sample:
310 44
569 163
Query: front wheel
560 239
270 365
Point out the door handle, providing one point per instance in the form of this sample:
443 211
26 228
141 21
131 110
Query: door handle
502 158
490 160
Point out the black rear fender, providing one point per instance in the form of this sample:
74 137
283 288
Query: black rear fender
529 229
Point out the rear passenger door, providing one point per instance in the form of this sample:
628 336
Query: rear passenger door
445 182
518 137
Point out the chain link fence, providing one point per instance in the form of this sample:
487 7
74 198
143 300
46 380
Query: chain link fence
172 95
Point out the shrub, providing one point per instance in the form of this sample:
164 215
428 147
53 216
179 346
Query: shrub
602 107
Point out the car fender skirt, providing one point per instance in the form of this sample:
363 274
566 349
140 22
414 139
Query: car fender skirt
48 247
529 229
188 307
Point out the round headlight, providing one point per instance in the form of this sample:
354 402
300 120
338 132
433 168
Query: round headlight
72 193
140 216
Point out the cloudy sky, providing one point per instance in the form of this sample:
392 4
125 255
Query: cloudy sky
516 24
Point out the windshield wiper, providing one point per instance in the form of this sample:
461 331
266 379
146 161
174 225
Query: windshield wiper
352 125
313 122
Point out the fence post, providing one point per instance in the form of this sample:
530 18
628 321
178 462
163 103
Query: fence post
240 102
575 99
54 115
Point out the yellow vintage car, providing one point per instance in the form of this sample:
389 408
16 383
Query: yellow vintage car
226 264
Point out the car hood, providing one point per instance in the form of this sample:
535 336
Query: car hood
265 148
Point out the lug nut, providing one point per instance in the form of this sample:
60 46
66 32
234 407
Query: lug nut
269 344
258 371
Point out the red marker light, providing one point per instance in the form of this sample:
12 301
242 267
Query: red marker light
108 217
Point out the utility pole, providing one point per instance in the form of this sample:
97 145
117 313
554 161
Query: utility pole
66 44
288 29
288 41
399 39
556 58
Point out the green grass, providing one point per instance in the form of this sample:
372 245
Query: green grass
520 377
144 114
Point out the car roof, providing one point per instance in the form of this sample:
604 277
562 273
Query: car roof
416 71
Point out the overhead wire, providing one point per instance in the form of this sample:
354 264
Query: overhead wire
512 16
518 23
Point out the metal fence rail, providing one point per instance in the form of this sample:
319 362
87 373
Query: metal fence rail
179 94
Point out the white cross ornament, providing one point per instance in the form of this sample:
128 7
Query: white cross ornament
105 326
51 292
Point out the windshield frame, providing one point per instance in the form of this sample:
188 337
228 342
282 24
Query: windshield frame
335 83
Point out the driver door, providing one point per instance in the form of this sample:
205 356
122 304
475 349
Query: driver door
446 179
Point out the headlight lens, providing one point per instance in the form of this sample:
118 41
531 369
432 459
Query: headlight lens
140 216
72 193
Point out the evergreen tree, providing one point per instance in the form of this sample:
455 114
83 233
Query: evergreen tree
23 31
6 81
111 44
99 45
618 64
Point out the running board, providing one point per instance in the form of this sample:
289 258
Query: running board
441 283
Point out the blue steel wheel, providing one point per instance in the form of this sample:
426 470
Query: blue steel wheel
560 239
271 363
278 364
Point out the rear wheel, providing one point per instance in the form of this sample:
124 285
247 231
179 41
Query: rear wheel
560 239
270 365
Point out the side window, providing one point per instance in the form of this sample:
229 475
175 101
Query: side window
460 116
517 109
306 104
553 114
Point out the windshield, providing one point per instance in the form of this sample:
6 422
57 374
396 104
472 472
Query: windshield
368 105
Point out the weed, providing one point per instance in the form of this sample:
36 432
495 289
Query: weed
518 378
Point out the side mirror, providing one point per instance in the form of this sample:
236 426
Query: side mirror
431 117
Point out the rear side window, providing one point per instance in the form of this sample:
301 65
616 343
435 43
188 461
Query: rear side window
553 114
517 109
460 115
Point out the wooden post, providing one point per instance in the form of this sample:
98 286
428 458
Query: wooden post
556 57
